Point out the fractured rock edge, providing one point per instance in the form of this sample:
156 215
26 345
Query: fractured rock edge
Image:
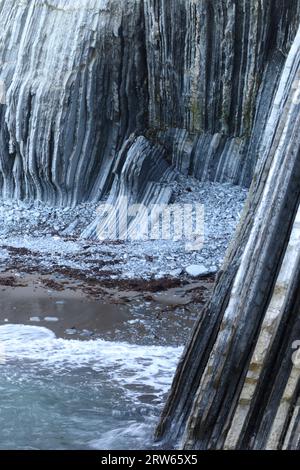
238 382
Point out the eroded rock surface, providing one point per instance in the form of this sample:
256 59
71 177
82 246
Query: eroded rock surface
80 77
109 98
237 384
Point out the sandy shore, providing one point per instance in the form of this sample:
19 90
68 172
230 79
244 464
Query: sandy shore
142 312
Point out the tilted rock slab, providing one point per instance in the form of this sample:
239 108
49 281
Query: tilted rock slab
238 382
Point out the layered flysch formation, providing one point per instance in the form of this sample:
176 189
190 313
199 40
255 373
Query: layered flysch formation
195 77
102 97
74 73
238 383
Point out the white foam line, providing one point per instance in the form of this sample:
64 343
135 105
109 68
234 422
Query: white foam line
125 363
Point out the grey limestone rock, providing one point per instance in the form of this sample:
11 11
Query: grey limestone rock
80 77
109 98
196 270
237 385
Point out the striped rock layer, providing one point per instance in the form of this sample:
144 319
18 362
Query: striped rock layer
238 382
105 97
78 77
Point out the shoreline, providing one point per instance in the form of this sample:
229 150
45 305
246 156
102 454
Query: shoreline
137 311
144 292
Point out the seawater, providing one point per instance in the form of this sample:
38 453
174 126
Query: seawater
71 394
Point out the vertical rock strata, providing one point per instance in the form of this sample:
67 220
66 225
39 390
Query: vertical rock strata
196 77
110 97
75 75
238 383
213 71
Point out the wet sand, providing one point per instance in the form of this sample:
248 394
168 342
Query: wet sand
157 313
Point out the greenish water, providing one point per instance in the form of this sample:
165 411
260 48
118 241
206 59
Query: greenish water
71 394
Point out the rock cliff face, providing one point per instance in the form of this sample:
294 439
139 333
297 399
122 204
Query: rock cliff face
109 96
195 77
75 75
238 383
213 73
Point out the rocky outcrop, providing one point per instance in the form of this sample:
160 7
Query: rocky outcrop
212 80
195 77
104 97
238 382
75 75
141 176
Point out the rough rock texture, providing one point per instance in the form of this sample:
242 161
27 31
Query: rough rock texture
217 70
141 175
39 237
109 95
82 76
238 382
74 73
